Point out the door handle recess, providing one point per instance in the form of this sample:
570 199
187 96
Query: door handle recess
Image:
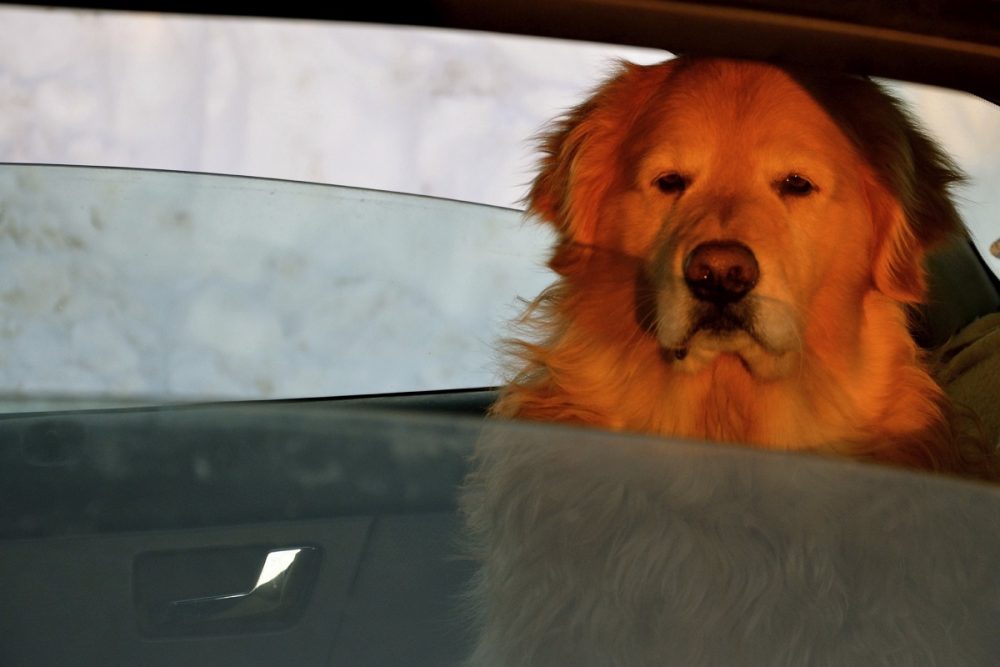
223 591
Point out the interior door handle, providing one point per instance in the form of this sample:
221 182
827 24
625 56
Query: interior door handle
270 592
275 598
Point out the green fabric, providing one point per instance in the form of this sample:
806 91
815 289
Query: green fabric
968 367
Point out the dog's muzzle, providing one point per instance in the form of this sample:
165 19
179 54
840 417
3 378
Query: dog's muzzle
718 274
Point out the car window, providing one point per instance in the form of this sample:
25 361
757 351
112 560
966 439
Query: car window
337 252
159 285
434 112
273 298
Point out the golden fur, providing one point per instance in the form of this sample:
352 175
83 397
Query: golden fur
825 361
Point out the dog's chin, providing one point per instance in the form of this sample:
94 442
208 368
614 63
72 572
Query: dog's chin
704 347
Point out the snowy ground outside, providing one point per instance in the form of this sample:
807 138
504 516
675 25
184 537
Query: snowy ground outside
156 297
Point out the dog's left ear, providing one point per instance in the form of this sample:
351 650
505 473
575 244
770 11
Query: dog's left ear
908 189
908 181
914 211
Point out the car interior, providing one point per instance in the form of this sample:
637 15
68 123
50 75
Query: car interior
325 531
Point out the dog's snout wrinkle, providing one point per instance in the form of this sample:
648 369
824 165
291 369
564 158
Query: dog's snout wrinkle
721 271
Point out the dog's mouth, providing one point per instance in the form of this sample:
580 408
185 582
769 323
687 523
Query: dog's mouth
723 321
719 330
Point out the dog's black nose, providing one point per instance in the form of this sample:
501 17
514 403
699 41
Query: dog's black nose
721 271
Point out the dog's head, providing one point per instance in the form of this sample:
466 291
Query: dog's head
761 206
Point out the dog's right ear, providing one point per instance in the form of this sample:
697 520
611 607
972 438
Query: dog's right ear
561 146
582 152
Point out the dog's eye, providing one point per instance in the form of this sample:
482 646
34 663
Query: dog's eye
672 183
796 186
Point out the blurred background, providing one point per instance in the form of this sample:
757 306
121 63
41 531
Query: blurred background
428 112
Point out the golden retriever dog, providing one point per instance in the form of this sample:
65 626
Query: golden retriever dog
737 248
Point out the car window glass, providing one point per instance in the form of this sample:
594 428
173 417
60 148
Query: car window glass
166 285
431 112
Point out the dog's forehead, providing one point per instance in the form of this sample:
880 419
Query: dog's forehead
727 103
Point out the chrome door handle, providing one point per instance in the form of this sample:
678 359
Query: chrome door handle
274 600
271 591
